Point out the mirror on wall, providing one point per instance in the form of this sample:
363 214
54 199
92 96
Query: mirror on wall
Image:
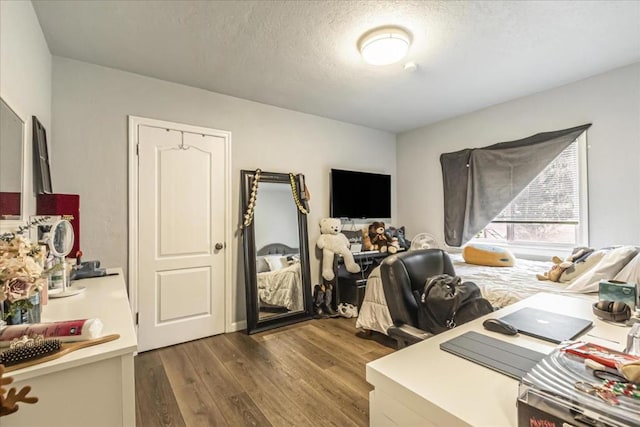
276 253
11 164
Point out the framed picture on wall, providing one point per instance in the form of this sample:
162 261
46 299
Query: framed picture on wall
41 170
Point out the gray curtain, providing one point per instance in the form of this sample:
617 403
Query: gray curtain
479 183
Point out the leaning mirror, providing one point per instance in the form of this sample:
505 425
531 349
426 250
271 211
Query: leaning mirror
276 252
11 164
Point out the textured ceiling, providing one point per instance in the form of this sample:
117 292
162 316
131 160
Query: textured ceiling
302 55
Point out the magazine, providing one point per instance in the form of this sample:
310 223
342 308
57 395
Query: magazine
600 354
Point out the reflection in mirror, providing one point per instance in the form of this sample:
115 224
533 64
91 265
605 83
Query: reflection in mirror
11 161
276 253
62 238
278 274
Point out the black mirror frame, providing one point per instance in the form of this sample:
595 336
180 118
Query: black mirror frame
14 220
248 236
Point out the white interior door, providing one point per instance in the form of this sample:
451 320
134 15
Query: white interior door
181 268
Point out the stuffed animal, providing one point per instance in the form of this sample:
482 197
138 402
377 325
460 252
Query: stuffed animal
399 233
366 240
332 242
570 268
554 273
380 240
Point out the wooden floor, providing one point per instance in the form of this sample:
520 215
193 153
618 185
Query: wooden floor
310 373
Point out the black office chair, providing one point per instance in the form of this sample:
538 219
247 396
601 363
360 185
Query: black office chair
403 278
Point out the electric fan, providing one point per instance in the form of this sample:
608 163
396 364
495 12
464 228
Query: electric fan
424 241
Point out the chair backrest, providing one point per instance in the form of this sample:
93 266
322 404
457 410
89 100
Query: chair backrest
406 272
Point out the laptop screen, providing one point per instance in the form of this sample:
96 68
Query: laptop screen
548 326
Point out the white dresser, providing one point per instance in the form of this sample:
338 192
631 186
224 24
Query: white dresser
94 386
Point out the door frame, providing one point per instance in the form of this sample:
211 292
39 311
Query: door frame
133 259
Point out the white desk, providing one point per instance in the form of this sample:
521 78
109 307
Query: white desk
94 386
422 385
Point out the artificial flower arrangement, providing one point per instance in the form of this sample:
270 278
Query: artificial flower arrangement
22 274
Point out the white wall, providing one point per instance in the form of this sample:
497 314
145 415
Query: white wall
90 108
25 74
611 101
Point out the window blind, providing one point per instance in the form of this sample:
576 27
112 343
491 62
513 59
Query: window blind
552 197
478 183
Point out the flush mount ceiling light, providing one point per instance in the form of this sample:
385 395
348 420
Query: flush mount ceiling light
384 45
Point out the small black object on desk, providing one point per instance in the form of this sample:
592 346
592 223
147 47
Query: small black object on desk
500 326
88 269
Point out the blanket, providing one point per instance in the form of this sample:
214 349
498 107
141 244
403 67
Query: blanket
282 288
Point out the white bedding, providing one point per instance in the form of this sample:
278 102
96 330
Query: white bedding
374 313
502 286
282 288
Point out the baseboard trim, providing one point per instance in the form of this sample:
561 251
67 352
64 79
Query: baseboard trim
237 326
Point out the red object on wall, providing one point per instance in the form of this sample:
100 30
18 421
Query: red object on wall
9 204
65 205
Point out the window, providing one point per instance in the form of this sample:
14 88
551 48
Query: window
552 209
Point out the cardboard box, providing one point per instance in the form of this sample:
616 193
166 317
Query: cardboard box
612 290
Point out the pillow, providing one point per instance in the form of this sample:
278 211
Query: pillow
581 267
608 267
276 262
491 256
631 272
261 265
292 259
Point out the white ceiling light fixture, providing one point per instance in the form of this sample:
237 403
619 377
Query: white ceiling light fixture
384 45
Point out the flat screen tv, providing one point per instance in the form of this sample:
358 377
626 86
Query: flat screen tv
360 194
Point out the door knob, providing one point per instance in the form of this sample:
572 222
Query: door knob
219 246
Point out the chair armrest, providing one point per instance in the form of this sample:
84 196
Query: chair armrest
406 335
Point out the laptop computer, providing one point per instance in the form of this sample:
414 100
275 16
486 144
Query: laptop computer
545 325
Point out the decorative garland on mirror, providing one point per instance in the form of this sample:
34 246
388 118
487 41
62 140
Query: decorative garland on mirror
248 215
296 199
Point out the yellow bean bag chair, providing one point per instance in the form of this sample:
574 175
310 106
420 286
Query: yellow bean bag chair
491 256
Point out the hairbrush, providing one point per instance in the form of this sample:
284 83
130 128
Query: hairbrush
65 348
26 349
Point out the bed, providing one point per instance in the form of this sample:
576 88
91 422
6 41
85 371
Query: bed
502 286
279 278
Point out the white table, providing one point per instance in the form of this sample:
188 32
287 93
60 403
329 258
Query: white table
422 385
94 386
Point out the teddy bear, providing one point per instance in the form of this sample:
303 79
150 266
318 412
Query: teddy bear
554 273
571 267
377 239
332 242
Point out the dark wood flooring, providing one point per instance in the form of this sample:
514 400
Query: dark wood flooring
307 374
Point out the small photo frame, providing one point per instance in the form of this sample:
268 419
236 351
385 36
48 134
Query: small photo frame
41 158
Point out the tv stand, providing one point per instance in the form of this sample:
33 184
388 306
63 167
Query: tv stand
350 287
